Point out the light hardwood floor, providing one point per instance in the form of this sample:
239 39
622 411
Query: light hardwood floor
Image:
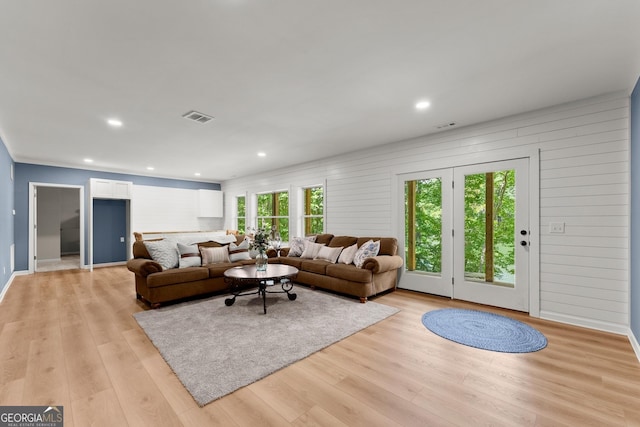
69 338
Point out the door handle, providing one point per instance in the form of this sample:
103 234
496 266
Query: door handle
523 243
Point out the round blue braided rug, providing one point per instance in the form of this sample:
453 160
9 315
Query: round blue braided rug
487 331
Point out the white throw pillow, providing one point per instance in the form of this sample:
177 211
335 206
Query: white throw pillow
347 255
368 250
164 253
214 255
329 254
311 250
297 245
239 252
189 256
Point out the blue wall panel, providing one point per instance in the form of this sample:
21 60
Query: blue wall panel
26 173
635 212
6 215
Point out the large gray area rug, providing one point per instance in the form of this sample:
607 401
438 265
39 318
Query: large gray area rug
215 349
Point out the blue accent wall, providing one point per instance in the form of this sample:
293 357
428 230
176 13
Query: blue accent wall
634 295
6 215
26 173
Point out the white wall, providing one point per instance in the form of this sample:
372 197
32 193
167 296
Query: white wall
584 182
58 222
162 209
48 223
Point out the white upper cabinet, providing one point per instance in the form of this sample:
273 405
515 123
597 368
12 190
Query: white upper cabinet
110 189
210 204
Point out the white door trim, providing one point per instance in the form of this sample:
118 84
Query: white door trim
33 213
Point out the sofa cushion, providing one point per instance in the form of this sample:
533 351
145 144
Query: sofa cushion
140 250
189 256
368 249
348 254
239 252
292 261
215 255
344 241
329 254
349 272
164 253
217 270
317 266
311 250
297 245
176 276
325 239
388 245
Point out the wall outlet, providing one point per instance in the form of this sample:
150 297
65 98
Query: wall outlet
122 240
556 227
4 270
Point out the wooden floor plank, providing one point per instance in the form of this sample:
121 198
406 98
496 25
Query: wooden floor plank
142 402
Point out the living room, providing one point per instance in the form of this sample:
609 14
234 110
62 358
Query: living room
581 150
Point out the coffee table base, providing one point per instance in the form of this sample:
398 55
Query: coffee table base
286 284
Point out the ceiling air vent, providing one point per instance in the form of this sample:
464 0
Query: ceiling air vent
197 117
446 125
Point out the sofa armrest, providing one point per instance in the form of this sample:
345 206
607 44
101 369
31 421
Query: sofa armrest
383 263
143 267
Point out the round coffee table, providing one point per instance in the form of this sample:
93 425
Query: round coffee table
240 277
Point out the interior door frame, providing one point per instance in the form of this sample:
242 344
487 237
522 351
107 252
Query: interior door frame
32 220
533 154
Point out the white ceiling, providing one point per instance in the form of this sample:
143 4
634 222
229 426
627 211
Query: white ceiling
299 80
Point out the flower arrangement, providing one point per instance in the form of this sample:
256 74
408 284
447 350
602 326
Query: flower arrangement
260 240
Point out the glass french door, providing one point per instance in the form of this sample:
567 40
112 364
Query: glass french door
491 239
467 233
428 223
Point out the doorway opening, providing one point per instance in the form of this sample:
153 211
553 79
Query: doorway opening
56 230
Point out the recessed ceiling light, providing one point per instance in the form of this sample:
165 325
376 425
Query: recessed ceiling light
197 174
262 154
114 122
422 105
87 160
150 168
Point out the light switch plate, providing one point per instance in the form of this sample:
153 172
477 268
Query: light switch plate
556 227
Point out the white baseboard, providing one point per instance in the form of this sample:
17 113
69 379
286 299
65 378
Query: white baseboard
634 343
6 287
585 323
109 264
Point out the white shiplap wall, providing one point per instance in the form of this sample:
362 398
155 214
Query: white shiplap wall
584 182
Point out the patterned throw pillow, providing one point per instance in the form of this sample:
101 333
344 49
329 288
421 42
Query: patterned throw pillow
239 252
297 245
329 254
347 255
163 252
189 256
211 255
368 250
311 250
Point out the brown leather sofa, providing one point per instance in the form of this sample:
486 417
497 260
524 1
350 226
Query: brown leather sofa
377 274
155 286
